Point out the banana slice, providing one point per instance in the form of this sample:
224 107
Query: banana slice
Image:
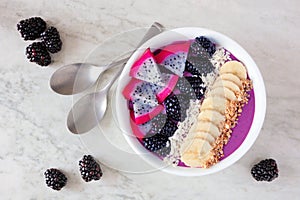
233 78
211 116
234 67
225 83
209 127
194 151
214 103
197 146
204 136
222 92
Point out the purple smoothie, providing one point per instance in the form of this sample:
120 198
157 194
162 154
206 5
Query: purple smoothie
240 132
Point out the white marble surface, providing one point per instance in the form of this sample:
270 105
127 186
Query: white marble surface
32 121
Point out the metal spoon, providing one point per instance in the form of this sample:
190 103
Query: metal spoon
90 109
75 78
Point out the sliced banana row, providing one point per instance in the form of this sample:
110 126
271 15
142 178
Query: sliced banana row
201 139
234 67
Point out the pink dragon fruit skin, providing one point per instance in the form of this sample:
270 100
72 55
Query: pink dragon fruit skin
162 92
173 57
143 100
146 69
139 130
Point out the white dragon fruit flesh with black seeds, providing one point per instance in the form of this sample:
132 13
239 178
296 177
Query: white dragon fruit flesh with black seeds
144 112
162 92
173 57
141 91
146 69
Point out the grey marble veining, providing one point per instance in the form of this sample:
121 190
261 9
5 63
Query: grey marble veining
32 121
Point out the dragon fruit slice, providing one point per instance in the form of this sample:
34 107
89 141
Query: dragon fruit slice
146 69
173 56
162 92
141 91
140 130
143 113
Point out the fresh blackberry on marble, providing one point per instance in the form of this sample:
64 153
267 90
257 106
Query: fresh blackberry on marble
265 170
31 28
55 179
52 40
37 53
89 169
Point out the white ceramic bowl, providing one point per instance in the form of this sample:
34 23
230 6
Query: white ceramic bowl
178 34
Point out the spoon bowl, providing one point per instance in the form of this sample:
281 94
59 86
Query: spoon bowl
86 113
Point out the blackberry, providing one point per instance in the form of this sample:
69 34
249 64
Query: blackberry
197 85
52 40
184 102
163 152
169 128
185 88
89 169
196 50
55 179
157 123
199 67
206 44
156 143
37 52
265 170
30 29
189 67
163 125
172 107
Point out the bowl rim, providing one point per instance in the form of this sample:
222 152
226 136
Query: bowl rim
253 72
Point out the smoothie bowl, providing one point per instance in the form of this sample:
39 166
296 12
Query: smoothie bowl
190 101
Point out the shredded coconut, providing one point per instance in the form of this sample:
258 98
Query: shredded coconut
209 79
182 131
220 57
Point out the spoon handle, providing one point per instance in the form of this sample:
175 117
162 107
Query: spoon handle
110 83
152 31
115 63
155 29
